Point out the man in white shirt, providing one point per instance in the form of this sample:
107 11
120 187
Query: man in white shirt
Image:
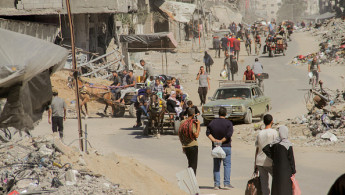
263 164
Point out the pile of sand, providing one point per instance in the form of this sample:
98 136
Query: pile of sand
127 172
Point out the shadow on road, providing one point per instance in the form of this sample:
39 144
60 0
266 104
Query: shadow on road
206 187
132 128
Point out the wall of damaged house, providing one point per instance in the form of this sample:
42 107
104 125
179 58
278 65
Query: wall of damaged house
93 32
43 31
7 4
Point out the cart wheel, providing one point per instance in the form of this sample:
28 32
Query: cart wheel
146 130
131 111
176 126
119 111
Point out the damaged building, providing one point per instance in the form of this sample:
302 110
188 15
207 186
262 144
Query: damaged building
96 22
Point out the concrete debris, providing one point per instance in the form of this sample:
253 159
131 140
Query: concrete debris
32 166
329 136
332 45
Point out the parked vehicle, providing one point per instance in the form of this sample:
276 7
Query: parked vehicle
243 101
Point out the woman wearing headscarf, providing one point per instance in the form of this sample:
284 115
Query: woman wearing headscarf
173 105
338 187
208 62
281 152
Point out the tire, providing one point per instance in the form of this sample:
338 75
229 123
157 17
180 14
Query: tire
206 122
132 111
248 118
120 111
176 127
146 130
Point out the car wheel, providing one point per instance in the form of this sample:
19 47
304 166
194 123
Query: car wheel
206 122
248 118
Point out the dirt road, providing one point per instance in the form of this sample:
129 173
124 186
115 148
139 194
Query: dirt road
317 168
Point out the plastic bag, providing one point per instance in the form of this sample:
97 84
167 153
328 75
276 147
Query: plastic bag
218 152
295 187
224 74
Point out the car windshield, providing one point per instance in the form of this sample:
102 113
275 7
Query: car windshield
233 93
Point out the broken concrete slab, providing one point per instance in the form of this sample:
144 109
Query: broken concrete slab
329 136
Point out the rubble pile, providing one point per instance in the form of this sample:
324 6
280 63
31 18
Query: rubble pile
326 118
33 166
332 46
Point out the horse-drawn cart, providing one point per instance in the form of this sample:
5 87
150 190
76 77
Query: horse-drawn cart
168 123
159 120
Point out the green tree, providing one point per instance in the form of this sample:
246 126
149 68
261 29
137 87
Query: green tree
291 10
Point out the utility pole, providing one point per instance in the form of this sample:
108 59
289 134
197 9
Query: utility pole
75 74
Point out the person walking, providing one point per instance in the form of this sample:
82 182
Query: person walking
57 113
224 42
220 131
281 153
204 84
188 133
263 164
217 46
231 41
208 62
228 67
237 48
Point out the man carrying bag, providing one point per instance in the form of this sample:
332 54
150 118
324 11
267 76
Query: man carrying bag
220 131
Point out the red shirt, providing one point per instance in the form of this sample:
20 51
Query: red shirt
249 74
232 41
237 45
228 43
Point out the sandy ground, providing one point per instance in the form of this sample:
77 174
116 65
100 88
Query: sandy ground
317 167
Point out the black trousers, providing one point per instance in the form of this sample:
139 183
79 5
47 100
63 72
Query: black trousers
202 94
237 54
138 113
192 156
218 52
57 125
250 48
208 69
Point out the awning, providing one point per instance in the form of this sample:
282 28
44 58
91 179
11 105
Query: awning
180 12
22 57
26 64
146 42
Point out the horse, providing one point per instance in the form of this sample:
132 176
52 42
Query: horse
100 93
156 110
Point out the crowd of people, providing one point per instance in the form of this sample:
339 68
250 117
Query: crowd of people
274 152
166 88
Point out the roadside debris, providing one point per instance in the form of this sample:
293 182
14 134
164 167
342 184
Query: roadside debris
332 45
33 166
